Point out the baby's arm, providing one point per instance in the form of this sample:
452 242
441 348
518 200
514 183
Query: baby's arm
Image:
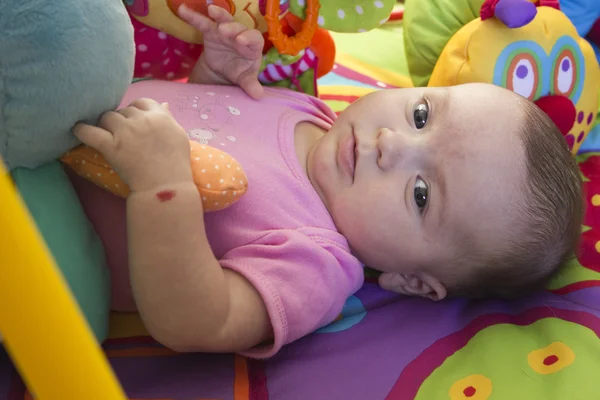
232 53
186 300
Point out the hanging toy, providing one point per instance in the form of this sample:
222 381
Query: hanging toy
302 39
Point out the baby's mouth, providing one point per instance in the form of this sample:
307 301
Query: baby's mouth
355 157
347 155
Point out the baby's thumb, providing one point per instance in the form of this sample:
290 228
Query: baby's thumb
166 107
251 85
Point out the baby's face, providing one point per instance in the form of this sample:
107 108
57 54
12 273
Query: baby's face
407 173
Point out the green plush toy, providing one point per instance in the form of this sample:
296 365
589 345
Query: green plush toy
61 62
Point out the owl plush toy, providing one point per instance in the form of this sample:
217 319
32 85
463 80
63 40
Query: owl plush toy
531 48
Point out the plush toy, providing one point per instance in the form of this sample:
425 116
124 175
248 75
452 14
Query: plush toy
217 188
585 15
60 66
298 48
532 49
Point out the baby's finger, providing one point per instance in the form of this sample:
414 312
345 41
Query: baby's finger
231 29
128 112
250 84
111 121
195 19
145 104
97 138
219 14
250 44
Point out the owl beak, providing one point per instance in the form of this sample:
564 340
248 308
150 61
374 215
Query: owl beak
560 109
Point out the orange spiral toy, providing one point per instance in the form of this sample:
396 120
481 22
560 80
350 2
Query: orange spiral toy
291 45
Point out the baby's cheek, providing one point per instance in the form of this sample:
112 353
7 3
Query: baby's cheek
372 211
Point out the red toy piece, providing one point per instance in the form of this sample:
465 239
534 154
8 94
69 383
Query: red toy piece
594 33
560 109
488 9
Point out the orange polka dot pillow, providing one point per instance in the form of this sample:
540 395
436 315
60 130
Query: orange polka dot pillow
220 179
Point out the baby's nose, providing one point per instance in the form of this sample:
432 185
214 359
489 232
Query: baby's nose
391 146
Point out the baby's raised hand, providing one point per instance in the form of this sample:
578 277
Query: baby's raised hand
232 52
143 143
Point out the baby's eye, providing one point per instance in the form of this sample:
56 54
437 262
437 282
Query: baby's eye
421 192
421 114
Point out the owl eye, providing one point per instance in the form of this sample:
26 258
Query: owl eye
137 7
522 75
565 70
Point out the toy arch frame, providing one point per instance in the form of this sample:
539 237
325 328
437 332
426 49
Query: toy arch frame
39 317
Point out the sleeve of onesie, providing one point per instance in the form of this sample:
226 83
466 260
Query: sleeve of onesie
304 281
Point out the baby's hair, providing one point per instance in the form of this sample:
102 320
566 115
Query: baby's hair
545 228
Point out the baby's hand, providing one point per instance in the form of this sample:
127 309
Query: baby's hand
143 143
232 52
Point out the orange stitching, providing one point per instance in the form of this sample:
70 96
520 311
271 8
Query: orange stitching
250 14
231 6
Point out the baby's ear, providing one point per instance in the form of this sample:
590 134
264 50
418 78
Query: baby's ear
417 284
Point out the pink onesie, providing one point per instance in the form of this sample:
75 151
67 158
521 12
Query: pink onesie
279 235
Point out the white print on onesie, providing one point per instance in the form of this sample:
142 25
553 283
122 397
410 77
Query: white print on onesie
212 118
200 135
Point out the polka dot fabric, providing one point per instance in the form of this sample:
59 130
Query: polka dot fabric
220 179
348 16
162 56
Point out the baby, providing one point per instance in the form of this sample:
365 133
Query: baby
458 191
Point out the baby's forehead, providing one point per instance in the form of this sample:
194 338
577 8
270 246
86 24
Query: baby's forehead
487 100
485 117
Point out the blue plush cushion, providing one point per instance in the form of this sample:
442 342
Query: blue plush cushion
61 61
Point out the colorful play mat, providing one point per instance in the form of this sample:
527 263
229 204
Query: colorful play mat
386 346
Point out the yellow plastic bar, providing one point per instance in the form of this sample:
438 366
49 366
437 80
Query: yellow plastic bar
44 330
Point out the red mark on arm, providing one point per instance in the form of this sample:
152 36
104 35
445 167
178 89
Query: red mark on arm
165 195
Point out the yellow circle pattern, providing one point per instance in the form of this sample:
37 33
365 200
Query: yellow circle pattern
473 387
551 358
